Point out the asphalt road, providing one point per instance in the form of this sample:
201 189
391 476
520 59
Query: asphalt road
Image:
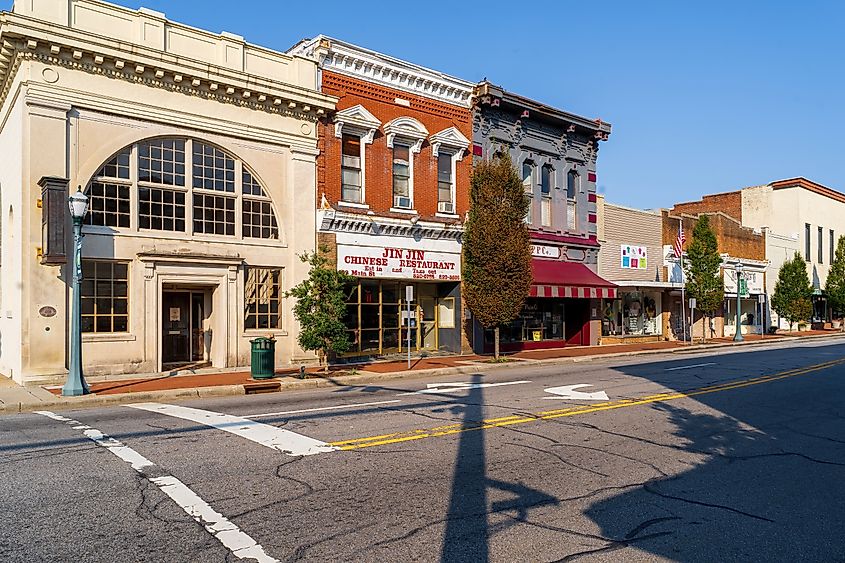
729 456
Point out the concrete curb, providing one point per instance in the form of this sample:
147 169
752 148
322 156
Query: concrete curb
363 378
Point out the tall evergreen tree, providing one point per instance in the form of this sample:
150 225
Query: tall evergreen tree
703 264
320 307
793 294
835 286
497 251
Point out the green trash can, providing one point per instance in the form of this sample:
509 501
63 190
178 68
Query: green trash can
263 360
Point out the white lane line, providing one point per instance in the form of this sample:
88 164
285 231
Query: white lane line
285 441
227 533
438 388
692 366
336 407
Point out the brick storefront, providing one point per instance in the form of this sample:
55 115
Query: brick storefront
736 244
393 189
380 101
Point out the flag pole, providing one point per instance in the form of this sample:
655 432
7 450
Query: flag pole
683 284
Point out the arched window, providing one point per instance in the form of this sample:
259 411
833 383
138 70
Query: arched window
180 184
528 175
573 184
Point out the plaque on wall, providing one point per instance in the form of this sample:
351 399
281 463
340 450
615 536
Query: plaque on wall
47 311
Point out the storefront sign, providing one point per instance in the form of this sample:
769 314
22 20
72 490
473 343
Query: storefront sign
634 257
398 263
545 251
753 280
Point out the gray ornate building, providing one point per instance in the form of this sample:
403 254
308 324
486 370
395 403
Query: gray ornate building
555 152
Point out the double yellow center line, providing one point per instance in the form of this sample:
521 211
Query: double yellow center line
439 431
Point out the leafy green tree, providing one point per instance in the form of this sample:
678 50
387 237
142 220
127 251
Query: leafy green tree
320 307
792 298
704 283
835 286
497 251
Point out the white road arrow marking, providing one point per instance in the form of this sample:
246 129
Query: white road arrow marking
569 392
452 387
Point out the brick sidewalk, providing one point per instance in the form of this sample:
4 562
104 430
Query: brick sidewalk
191 381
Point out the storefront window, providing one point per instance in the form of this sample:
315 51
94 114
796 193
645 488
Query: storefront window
747 312
377 317
540 320
635 313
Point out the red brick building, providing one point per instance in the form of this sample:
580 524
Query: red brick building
736 244
393 190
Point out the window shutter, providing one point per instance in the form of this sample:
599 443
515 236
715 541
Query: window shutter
54 210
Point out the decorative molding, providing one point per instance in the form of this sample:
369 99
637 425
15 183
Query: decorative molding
356 120
341 222
351 60
450 138
406 128
82 53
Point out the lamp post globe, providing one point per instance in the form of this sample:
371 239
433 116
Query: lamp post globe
75 384
738 335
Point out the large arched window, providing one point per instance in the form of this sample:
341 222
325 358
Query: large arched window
180 185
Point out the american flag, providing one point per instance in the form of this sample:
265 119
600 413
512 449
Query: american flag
679 242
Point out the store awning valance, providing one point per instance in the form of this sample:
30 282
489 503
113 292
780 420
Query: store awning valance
555 278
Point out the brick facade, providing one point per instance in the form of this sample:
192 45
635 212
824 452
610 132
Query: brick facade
729 203
381 102
733 239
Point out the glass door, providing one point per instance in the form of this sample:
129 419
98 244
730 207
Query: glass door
197 332
428 317
175 323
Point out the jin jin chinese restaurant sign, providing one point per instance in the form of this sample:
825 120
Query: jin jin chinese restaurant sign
398 263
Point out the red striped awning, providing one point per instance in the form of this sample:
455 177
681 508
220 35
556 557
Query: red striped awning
555 278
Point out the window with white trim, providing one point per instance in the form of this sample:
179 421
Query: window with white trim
573 184
528 186
402 176
351 173
546 182
180 184
109 201
263 298
445 183
104 296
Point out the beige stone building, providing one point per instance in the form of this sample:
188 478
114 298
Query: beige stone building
793 216
197 152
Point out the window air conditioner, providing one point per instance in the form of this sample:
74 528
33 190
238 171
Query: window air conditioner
401 201
445 207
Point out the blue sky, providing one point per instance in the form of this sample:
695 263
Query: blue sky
703 97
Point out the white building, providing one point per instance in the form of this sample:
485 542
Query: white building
197 151
795 216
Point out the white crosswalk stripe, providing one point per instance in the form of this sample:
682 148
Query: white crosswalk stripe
227 533
280 439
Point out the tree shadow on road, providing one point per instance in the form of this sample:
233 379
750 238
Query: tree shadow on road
754 474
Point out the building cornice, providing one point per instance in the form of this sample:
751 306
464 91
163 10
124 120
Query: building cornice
335 221
486 94
23 38
811 186
351 60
